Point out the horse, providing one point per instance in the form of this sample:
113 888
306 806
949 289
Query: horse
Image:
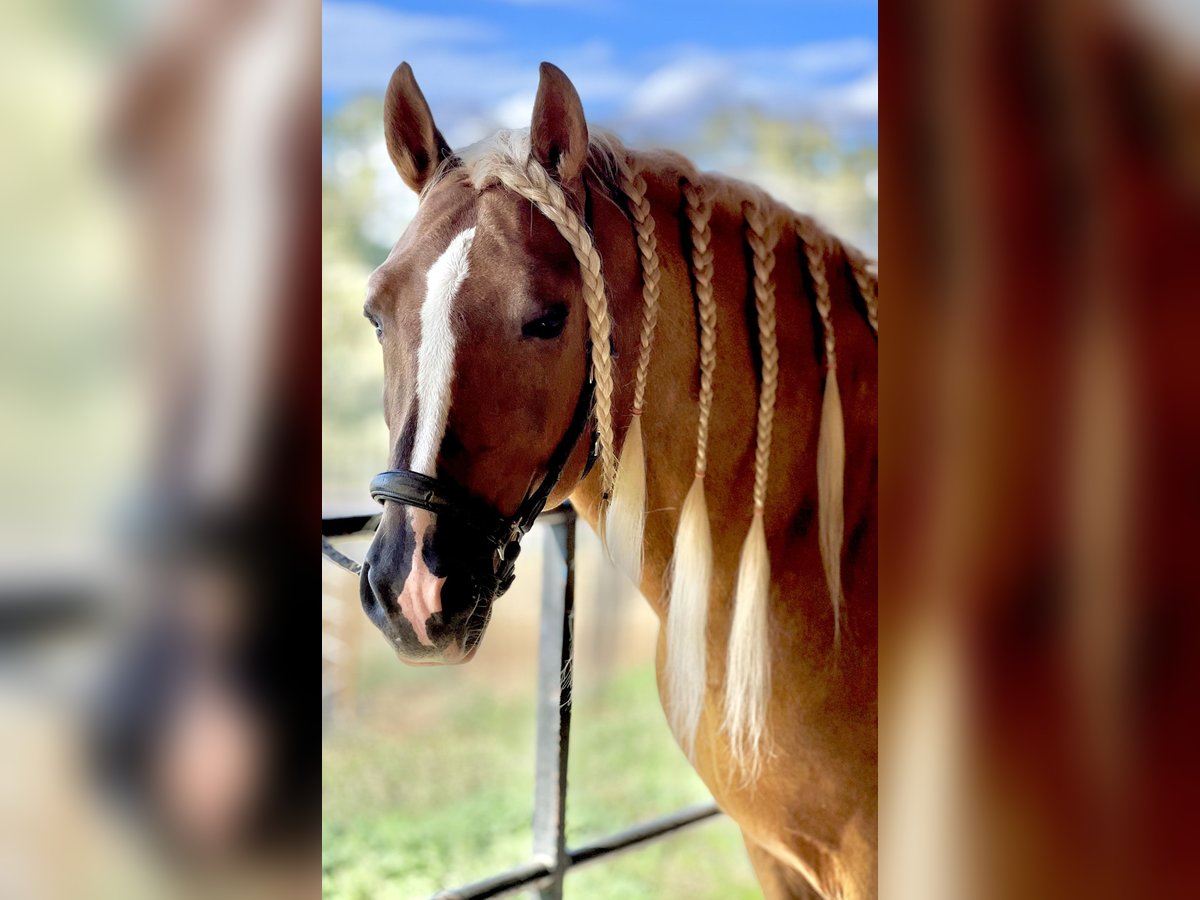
693 365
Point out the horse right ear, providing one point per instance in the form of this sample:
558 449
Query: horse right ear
558 134
413 141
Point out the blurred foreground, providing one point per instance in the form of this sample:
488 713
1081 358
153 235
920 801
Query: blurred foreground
1038 397
159 477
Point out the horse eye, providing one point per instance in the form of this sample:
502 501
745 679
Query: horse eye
374 321
548 325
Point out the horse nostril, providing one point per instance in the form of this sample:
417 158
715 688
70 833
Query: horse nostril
370 594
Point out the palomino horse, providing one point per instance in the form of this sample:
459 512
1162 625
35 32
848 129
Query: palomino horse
558 300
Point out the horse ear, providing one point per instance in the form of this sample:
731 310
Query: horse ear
413 141
558 134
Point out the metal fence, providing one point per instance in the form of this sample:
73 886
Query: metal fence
552 858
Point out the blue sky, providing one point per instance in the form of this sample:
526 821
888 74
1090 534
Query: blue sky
639 66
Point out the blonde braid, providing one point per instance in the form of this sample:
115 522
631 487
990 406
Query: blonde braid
625 526
699 211
534 184
814 251
831 443
748 665
762 239
633 185
692 560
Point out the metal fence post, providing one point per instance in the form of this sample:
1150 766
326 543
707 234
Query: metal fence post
555 662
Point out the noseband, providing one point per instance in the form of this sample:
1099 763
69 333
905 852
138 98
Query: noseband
502 534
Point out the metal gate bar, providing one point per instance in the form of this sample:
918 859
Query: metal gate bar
537 875
556 650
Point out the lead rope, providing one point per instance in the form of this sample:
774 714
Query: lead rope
691 565
627 512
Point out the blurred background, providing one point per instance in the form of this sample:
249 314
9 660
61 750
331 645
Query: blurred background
428 773
158 264
1038 613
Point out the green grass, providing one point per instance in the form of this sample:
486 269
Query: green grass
409 813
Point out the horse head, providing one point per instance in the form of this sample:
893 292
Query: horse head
479 309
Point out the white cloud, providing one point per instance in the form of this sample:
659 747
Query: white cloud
515 111
858 98
828 57
478 78
836 82
679 88
362 43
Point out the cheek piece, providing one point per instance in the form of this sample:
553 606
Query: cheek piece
497 537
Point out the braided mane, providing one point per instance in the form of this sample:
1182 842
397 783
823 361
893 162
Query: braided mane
505 159
626 521
691 563
748 678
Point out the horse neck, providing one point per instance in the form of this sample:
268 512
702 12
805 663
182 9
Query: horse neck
669 420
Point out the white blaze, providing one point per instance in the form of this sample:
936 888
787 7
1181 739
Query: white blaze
421 595
435 357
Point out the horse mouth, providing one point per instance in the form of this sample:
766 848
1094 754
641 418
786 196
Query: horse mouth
453 655
455 644
456 656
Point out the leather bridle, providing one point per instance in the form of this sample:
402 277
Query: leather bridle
501 535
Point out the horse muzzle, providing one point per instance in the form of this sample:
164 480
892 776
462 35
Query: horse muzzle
484 545
433 601
438 624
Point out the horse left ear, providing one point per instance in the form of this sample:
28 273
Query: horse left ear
558 135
